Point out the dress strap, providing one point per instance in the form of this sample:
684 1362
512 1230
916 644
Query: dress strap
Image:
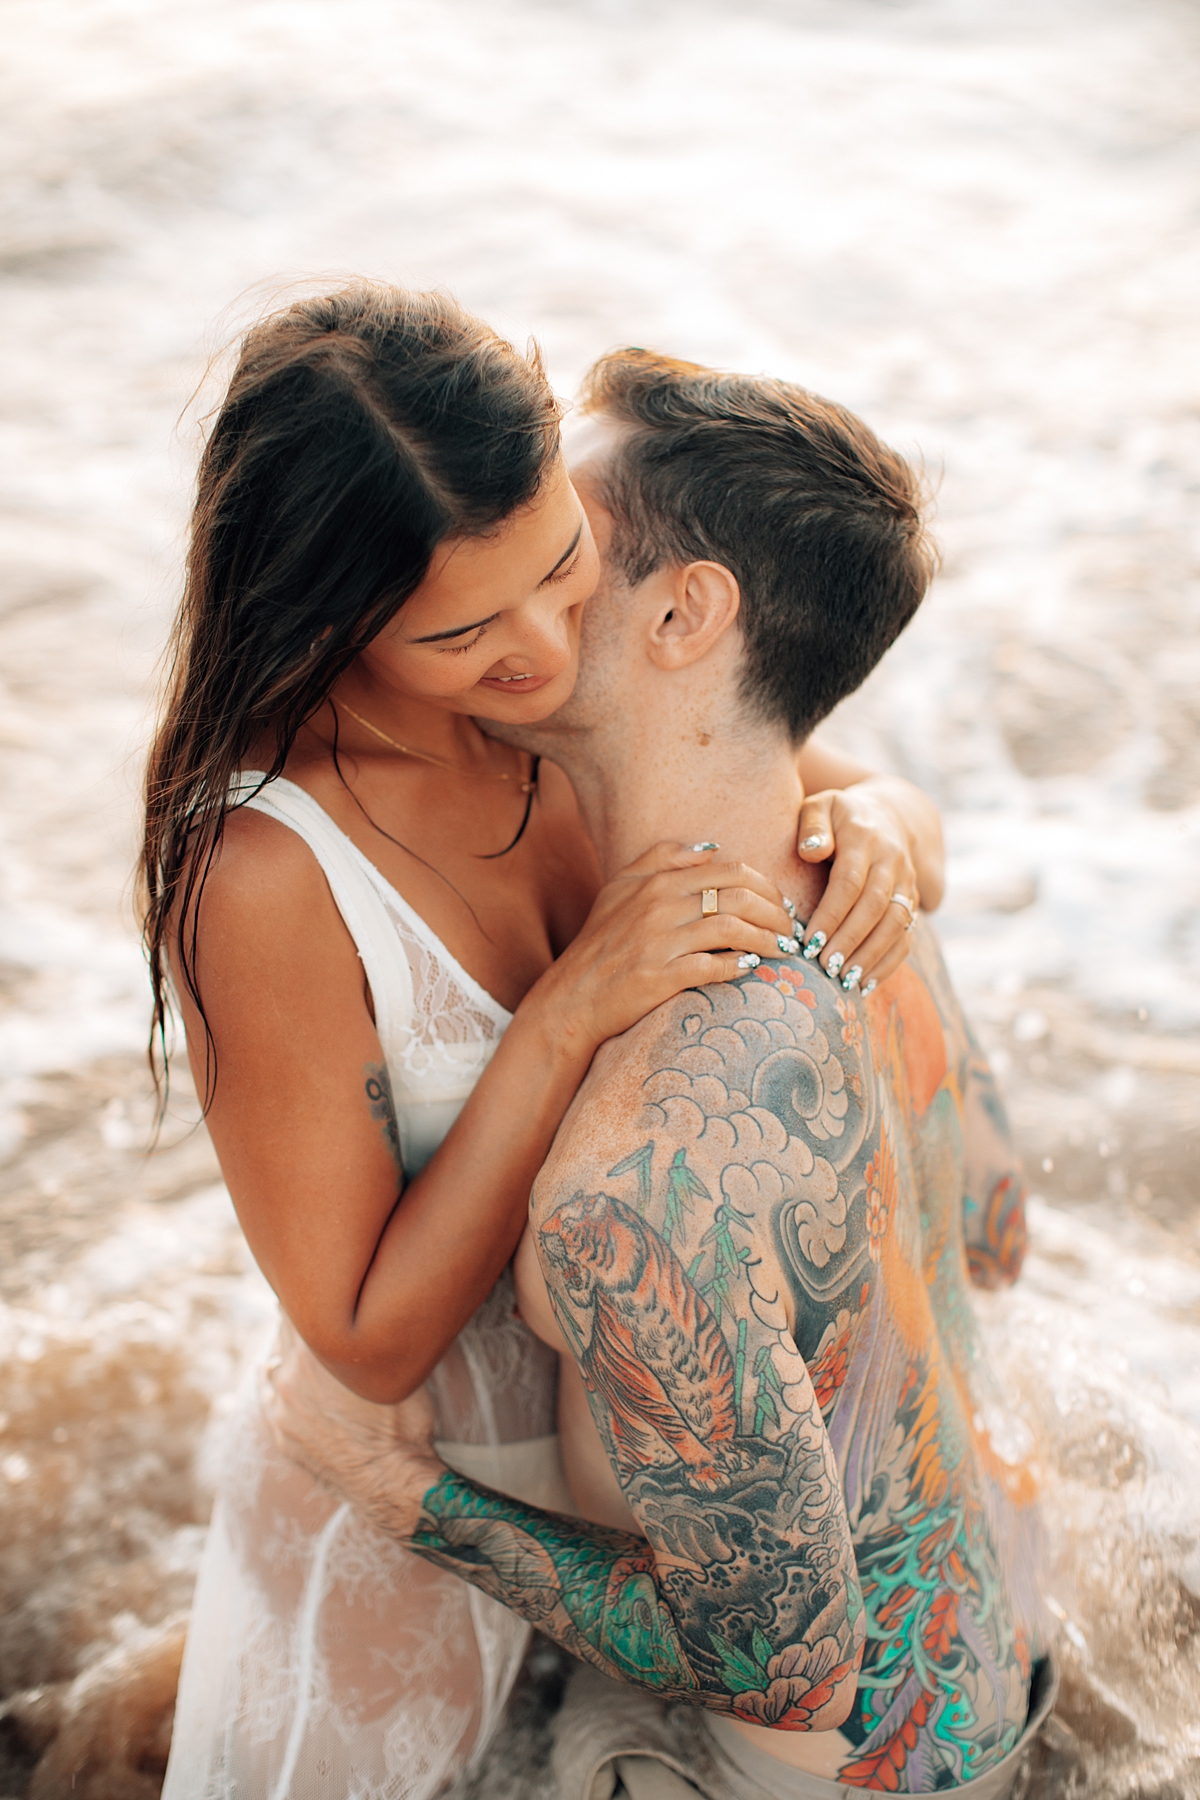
357 899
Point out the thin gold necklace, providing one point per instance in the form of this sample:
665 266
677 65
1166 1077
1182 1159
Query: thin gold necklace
438 762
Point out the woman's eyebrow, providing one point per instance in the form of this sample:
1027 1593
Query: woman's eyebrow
435 637
568 552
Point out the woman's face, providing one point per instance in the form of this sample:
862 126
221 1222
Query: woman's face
493 630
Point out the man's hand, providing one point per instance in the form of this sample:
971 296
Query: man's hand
380 1458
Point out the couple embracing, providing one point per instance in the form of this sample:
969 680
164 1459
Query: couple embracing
615 1145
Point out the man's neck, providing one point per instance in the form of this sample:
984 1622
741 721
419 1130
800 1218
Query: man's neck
741 789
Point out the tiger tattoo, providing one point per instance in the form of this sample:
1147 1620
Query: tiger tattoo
653 1349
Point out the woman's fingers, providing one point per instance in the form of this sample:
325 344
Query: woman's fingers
863 962
709 967
880 954
732 880
729 932
871 918
847 879
668 855
814 841
738 903
739 891
650 923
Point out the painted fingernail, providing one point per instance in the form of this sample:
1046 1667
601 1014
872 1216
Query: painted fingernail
813 843
814 946
789 907
749 960
834 965
696 848
852 977
788 946
870 986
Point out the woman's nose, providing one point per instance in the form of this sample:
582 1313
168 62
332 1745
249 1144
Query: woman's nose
543 629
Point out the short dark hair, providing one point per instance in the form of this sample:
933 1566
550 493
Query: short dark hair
818 520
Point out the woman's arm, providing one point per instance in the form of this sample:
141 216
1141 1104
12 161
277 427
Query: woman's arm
884 837
379 1276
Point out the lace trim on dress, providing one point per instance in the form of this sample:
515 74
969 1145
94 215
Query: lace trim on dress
455 1024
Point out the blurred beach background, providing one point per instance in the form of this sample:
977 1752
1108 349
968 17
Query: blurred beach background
975 221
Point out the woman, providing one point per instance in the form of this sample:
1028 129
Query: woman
394 968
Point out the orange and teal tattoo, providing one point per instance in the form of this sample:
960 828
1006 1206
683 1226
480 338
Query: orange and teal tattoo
765 1285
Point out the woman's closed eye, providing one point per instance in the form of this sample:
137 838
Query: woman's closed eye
461 649
564 574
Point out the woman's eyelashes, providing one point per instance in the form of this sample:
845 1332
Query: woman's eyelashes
566 573
461 649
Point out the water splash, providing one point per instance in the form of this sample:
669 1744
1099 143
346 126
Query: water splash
973 222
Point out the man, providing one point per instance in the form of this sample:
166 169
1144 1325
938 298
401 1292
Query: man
750 1242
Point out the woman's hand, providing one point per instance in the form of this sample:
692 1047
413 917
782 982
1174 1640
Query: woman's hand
380 1458
879 832
647 938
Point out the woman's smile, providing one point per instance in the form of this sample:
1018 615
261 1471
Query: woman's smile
519 684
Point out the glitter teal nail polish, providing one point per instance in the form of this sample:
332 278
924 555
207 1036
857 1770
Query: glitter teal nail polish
814 946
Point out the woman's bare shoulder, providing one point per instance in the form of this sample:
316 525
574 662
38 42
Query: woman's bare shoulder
265 889
271 948
259 857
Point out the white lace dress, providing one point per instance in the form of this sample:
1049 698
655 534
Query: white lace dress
323 1661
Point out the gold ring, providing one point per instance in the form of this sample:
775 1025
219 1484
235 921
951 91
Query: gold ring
708 902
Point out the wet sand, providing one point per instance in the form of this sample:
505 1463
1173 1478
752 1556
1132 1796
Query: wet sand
976 224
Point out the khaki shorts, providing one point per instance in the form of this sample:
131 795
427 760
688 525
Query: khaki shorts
619 1743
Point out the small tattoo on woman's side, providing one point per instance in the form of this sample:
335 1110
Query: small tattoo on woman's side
383 1108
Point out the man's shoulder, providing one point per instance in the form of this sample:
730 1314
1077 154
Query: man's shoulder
735 1089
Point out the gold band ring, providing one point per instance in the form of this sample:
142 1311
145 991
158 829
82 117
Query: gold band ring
904 901
708 902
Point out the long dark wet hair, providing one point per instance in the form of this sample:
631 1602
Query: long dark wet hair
360 429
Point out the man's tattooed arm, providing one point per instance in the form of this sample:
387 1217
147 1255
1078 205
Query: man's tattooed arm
994 1190
743 1595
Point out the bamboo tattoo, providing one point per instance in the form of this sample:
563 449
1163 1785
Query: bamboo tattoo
752 1231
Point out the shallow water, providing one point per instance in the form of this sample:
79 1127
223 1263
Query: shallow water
975 222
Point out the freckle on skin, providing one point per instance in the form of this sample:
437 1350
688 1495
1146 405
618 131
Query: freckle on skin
703 738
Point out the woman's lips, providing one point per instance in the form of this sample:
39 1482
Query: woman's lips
529 684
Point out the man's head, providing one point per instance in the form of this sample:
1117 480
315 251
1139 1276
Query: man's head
800 526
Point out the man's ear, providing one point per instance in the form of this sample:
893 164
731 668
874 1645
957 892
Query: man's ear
703 602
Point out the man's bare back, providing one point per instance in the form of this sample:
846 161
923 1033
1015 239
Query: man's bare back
762 1199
